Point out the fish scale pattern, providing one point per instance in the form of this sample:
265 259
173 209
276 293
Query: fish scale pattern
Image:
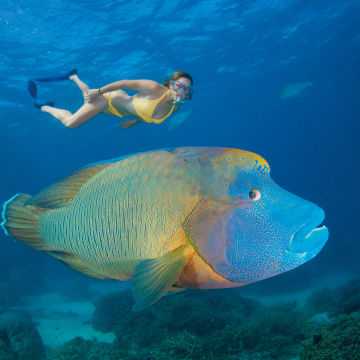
123 212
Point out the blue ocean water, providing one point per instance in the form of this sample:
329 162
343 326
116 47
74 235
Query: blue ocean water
240 54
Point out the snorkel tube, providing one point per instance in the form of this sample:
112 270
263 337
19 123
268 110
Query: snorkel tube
179 100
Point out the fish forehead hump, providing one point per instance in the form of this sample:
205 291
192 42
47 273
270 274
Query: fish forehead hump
217 168
220 155
230 161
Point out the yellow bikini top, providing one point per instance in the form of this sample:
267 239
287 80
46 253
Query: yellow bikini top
145 108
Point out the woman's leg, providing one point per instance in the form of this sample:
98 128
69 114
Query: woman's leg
84 114
82 86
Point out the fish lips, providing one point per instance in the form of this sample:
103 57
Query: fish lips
309 238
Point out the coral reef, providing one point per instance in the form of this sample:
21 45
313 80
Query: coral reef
199 325
202 325
281 329
5 352
104 319
338 340
19 338
80 349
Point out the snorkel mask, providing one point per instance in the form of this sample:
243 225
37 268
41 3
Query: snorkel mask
182 90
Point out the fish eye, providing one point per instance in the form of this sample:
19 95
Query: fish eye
254 195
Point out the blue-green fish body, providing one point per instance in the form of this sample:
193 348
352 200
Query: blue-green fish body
170 219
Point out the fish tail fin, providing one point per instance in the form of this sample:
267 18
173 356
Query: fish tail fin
21 221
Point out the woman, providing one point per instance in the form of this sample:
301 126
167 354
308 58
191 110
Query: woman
153 103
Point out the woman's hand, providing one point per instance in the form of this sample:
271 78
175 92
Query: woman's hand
130 123
91 95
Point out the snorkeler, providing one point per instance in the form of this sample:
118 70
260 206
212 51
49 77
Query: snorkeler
153 102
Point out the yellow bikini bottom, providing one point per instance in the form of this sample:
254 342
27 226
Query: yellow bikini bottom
111 109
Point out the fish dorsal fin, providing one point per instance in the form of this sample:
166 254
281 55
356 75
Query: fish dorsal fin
152 278
62 192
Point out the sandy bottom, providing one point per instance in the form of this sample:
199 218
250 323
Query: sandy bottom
59 320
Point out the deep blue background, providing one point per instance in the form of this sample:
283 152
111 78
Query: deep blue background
240 55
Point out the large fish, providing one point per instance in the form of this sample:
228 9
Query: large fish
187 217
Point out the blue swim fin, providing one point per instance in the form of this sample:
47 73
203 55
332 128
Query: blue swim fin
32 90
39 104
61 76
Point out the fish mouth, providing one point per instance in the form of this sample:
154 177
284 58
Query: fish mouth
310 237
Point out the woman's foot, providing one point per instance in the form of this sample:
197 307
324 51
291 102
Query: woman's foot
40 105
45 108
74 77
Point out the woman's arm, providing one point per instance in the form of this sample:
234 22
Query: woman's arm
137 85
146 87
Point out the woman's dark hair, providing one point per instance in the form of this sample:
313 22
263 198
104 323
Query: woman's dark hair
177 75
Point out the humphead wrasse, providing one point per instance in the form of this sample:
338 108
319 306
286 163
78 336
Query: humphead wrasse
194 218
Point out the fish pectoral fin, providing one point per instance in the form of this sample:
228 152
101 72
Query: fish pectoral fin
152 278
